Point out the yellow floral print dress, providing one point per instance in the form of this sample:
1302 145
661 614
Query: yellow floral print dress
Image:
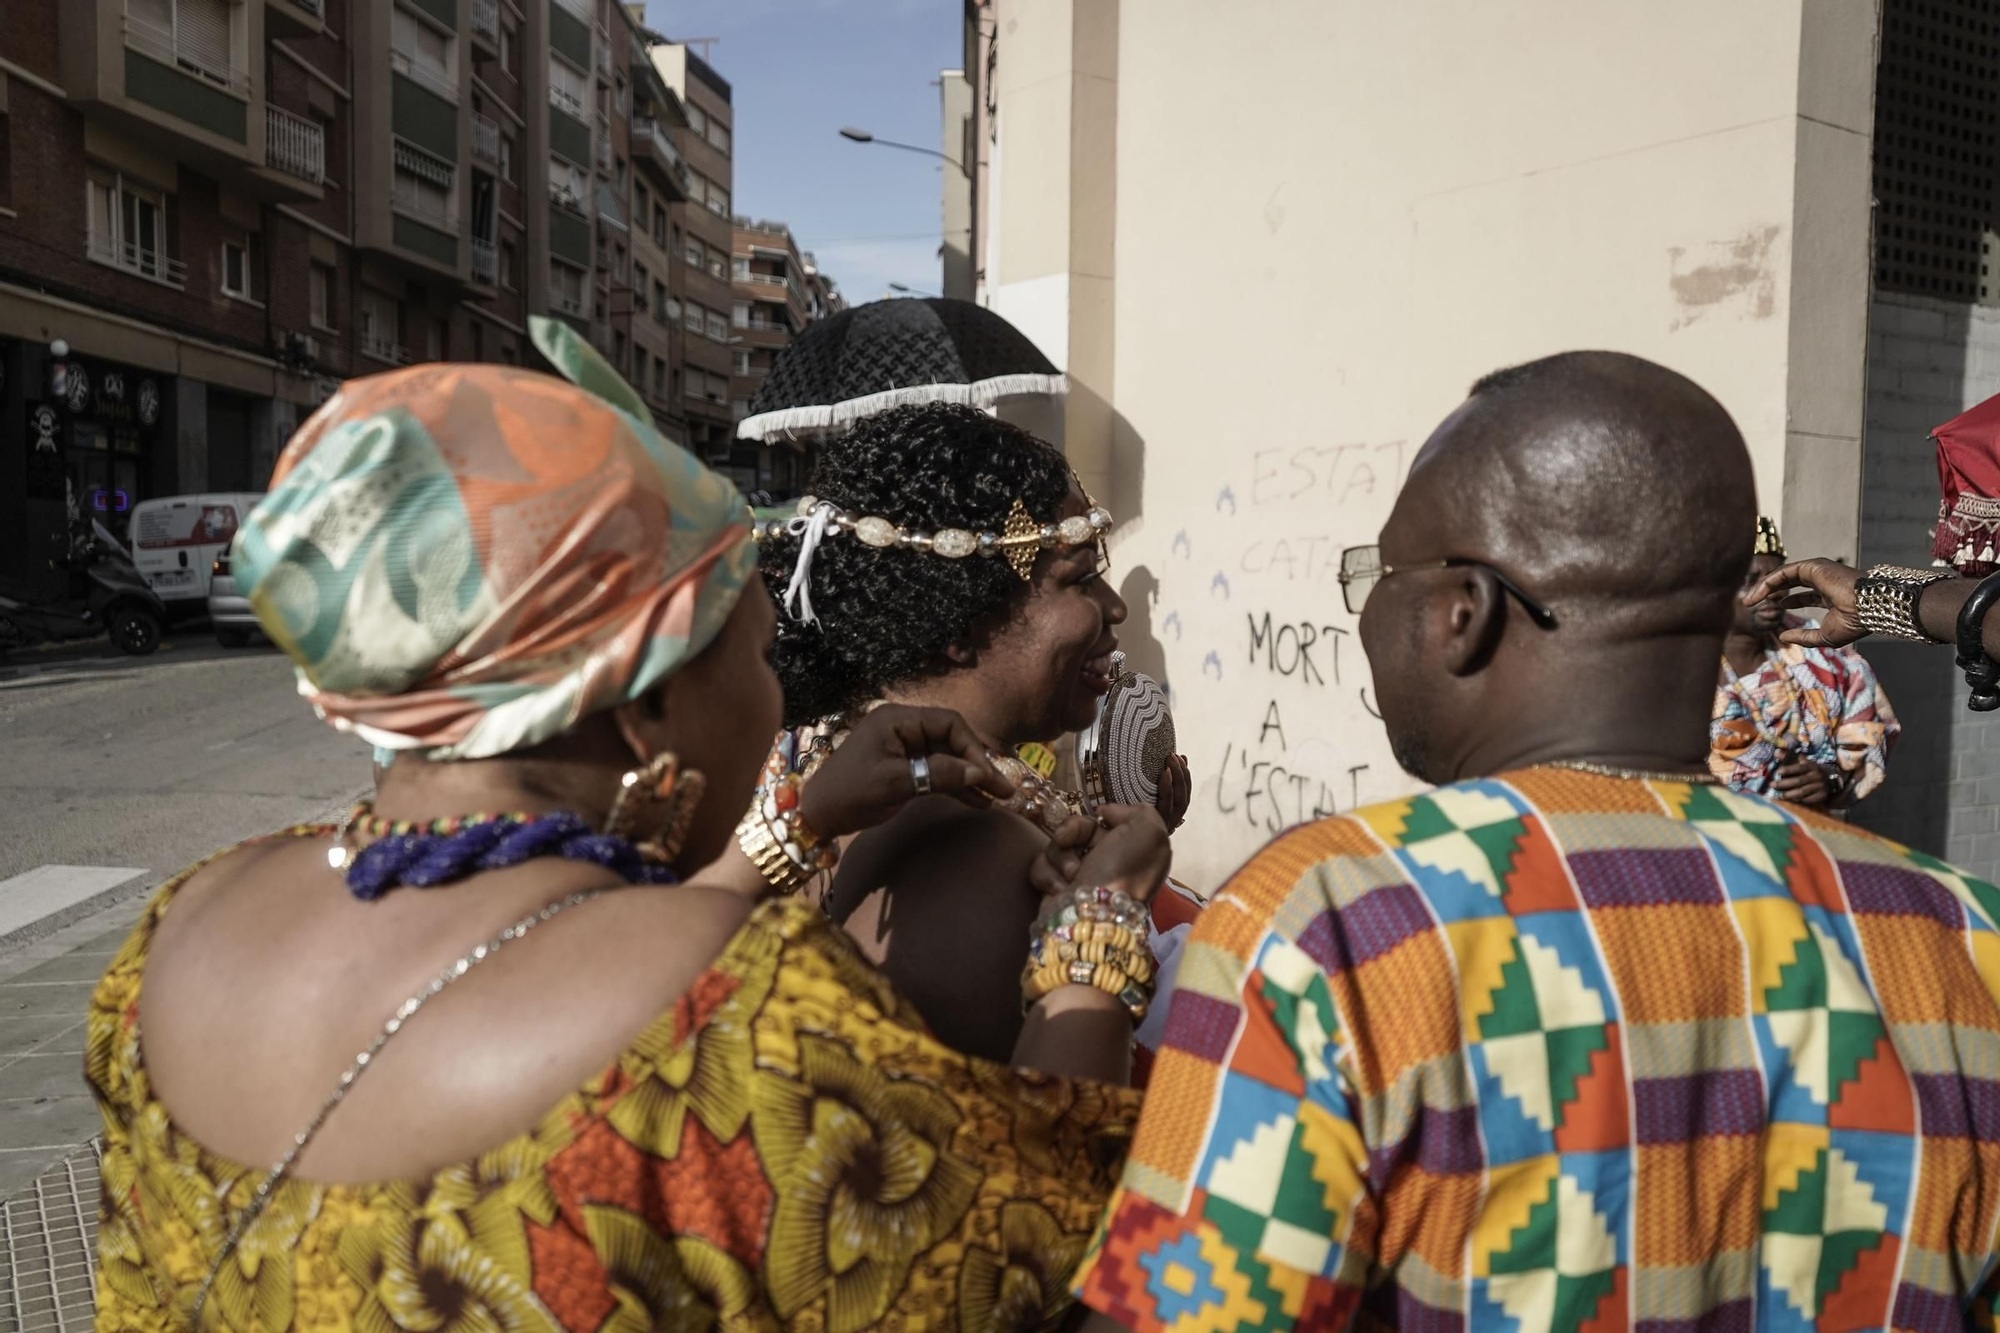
786 1148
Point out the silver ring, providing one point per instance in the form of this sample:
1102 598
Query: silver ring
920 775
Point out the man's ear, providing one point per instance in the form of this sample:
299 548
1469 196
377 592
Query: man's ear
1473 609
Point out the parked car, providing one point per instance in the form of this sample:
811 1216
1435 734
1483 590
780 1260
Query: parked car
229 612
178 540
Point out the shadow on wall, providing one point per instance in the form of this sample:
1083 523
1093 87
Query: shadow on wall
1913 804
1137 636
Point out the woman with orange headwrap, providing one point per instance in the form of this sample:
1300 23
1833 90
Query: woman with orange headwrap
682 1106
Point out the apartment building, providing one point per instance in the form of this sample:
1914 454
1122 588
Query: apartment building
212 211
700 233
778 291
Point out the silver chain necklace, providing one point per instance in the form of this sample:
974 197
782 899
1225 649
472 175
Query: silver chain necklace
1641 774
262 1198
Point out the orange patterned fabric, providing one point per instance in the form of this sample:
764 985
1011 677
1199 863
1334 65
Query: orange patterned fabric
787 1147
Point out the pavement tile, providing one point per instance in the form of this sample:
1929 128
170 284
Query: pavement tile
55 997
18 1036
40 1078
70 967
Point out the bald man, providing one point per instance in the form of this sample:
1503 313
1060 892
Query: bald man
1580 1039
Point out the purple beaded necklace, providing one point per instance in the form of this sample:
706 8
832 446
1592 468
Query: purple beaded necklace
427 860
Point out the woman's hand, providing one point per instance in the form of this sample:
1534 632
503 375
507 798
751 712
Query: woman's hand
1176 791
892 756
1126 847
1825 583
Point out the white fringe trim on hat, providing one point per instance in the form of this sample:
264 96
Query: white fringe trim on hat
808 422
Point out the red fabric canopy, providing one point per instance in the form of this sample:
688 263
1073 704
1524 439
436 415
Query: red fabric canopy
1968 454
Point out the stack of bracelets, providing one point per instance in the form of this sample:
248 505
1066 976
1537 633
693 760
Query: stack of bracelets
1096 938
776 837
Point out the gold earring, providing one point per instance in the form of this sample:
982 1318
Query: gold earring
663 795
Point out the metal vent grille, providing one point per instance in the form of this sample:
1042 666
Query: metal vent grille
1937 138
48 1239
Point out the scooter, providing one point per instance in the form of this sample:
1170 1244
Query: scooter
114 599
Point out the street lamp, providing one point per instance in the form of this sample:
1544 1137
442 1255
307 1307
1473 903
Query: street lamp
911 291
863 136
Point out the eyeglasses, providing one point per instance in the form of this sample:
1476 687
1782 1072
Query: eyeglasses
1361 568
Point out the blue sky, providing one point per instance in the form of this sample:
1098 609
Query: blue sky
801 69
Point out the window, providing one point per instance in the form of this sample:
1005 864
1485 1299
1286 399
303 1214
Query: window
198 36
642 208
381 328
660 302
618 349
716 262
422 187
739 409
742 362
319 294
641 282
507 158
696 187
739 268
422 52
566 88
691 252
618 260
566 182
694 318
128 227
697 120
718 200
660 378
739 314
718 327
660 227
239 268
508 262
507 44
718 137
619 100
565 288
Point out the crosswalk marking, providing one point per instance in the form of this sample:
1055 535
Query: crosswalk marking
47 890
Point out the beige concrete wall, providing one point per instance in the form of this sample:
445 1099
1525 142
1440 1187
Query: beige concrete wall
1328 218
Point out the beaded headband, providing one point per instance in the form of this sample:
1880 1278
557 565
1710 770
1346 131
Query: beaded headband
1768 540
1021 540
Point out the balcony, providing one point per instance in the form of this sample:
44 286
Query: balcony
295 18
485 263
426 75
562 196
566 303
604 154
578 9
142 260
486 22
421 207
486 139
652 147
294 145
384 349
567 102
181 51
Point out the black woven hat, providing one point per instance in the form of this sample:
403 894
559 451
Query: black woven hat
887 353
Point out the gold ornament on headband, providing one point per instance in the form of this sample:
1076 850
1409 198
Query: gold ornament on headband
1768 541
1020 541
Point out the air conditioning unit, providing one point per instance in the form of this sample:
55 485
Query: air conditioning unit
303 345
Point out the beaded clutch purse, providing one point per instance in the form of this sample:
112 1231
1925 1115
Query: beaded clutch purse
1123 752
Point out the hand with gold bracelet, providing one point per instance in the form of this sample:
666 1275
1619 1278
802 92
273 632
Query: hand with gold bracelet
894 755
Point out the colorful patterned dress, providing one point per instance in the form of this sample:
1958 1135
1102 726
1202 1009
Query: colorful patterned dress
1819 704
1556 1051
786 1148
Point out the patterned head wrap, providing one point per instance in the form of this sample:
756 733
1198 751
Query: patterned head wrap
465 560
1768 540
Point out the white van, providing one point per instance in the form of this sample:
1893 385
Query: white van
175 542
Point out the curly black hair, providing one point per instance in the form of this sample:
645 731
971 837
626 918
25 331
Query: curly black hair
887 615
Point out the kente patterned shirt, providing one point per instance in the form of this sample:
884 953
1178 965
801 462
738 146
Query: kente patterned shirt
785 1148
1820 704
1558 1051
